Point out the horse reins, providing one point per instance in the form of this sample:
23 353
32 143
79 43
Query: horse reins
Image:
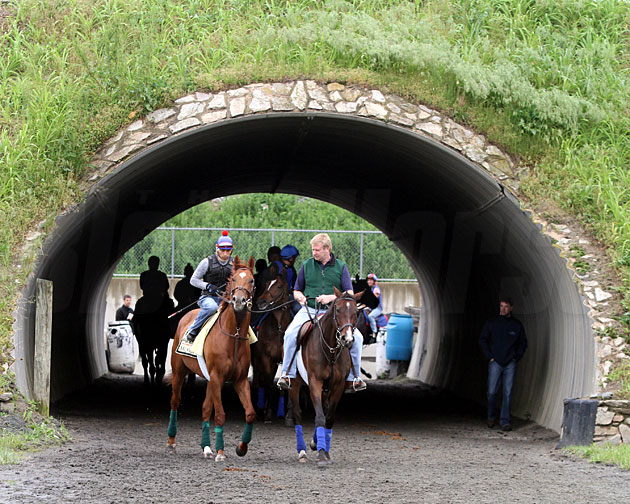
236 335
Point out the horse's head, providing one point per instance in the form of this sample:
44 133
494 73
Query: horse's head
241 286
276 290
345 314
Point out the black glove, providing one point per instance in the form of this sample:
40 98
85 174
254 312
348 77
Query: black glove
211 289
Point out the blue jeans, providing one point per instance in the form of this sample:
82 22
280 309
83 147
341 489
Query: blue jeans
290 342
496 374
373 317
209 306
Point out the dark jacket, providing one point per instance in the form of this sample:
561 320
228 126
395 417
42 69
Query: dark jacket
503 339
123 312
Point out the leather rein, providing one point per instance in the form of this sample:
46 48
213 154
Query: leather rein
236 336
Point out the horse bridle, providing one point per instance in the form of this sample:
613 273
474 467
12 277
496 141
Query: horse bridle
250 293
237 335
275 298
336 350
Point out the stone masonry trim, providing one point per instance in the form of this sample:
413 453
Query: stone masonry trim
202 108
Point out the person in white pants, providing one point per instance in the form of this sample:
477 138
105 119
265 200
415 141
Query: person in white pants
314 290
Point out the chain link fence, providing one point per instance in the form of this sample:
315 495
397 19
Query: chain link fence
363 251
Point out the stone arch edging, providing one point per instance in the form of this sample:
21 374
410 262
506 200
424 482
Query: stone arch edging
200 109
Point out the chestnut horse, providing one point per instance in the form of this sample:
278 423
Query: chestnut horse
325 353
267 353
227 356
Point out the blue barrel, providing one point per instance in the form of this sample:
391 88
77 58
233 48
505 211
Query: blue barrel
399 337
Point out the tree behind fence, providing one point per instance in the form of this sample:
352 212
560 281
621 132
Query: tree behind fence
363 251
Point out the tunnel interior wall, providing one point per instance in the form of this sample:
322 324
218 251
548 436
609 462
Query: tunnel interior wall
464 235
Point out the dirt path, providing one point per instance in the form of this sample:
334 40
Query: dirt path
411 449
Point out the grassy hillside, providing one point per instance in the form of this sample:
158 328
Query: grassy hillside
545 79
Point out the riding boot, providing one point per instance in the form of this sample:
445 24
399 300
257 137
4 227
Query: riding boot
190 335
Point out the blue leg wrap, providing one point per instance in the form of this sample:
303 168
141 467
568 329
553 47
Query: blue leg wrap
205 434
172 424
281 413
247 433
218 430
321 438
261 398
328 439
299 436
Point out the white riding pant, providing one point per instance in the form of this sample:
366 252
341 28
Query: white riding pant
290 342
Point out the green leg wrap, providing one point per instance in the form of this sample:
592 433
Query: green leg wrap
205 435
247 433
172 424
218 430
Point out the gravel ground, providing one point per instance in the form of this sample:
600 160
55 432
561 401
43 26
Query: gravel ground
392 443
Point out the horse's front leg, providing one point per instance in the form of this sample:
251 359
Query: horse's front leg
206 413
315 387
179 373
244 394
215 385
333 401
296 415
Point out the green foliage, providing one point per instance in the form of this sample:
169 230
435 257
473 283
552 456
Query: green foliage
620 375
576 251
38 432
607 454
546 79
267 211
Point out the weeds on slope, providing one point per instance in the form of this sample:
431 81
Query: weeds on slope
546 80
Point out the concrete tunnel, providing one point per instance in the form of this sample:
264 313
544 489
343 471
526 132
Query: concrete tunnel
463 233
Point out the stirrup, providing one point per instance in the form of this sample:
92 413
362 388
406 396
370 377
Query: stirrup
358 384
189 336
284 383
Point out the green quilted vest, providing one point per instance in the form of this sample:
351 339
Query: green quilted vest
321 281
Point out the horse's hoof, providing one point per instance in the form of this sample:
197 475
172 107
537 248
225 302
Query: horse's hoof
220 456
288 422
170 448
241 449
207 452
313 445
302 457
322 459
267 420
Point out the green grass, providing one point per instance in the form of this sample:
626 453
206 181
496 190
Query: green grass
607 454
40 433
620 375
548 80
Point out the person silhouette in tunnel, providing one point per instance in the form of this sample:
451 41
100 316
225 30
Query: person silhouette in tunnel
503 342
185 294
151 321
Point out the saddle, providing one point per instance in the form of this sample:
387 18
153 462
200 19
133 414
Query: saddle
305 330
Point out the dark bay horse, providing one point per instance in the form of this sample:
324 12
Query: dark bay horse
267 353
326 358
151 329
227 356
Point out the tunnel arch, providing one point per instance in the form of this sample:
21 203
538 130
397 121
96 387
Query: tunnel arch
440 202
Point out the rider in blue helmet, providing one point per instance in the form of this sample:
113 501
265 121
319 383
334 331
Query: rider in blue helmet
288 254
211 275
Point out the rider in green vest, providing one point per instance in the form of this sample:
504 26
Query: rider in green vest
317 279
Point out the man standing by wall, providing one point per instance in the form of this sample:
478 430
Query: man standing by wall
125 312
503 342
